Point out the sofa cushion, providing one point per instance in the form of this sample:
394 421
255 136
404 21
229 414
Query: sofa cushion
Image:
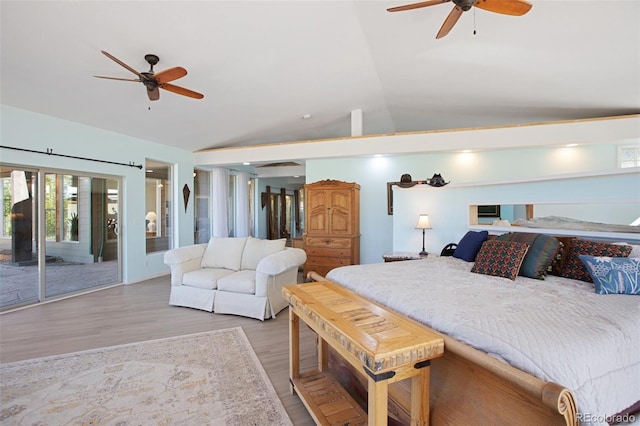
223 253
206 278
256 249
239 282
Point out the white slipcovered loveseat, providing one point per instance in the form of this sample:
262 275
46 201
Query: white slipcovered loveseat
241 276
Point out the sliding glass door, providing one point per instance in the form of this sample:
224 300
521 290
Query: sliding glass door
74 217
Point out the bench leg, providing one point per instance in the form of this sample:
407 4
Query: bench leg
420 398
294 348
377 399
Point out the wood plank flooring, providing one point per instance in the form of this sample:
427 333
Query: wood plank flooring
138 312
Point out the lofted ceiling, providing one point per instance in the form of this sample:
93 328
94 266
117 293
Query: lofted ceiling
263 65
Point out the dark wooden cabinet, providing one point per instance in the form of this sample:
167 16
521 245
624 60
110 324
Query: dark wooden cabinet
332 224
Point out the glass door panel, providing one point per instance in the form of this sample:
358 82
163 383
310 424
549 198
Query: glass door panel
82 233
19 283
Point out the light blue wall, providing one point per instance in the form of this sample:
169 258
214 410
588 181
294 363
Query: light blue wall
448 207
377 228
37 132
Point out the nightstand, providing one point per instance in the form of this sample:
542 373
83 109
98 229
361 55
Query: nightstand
397 256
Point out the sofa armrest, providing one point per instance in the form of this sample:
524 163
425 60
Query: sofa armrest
282 261
184 259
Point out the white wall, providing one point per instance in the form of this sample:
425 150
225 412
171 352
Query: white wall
27 130
378 229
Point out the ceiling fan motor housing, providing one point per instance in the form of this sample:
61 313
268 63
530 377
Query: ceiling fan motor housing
150 81
464 4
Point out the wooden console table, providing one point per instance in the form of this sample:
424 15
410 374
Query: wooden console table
384 346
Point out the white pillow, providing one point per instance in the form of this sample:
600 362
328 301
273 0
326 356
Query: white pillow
635 250
256 249
223 253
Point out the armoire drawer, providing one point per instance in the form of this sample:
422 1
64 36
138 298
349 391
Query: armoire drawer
328 252
327 242
326 261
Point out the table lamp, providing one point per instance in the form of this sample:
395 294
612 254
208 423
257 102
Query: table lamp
423 223
151 218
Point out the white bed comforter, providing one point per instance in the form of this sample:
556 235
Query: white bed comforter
558 329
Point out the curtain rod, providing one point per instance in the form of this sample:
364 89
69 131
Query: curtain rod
49 151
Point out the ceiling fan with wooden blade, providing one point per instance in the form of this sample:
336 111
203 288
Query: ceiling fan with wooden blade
154 82
505 7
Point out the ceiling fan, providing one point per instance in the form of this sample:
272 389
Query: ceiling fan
505 7
154 82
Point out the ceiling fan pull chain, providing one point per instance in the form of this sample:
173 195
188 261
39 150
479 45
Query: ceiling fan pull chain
474 21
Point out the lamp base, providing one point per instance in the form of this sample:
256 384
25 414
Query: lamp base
423 254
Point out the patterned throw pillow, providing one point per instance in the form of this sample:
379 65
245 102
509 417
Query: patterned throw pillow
614 275
574 268
500 258
542 252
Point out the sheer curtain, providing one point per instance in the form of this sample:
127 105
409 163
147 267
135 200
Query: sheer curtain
219 202
242 205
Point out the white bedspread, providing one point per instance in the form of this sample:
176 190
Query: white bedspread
558 329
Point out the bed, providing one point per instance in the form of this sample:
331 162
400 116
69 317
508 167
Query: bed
522 351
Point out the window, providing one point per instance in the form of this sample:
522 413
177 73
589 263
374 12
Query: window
158 206
628 156
61 207
5 230
69 207
202 221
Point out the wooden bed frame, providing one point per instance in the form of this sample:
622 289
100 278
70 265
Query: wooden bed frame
470 387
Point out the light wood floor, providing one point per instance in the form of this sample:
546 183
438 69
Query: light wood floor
138 312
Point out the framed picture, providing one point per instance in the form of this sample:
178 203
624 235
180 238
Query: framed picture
489 210
390 197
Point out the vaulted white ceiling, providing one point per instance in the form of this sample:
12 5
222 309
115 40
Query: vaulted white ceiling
262 65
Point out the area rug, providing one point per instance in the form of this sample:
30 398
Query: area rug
211 378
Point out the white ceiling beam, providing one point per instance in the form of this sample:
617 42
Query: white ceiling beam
588 131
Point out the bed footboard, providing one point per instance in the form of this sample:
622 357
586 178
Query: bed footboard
470 387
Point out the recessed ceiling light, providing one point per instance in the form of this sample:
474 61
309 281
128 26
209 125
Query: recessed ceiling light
306 116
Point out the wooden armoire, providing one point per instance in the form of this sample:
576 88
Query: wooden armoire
332 225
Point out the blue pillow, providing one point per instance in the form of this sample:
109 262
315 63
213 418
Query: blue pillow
613 275
470 244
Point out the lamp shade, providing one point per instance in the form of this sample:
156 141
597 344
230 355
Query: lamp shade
151 216
423 222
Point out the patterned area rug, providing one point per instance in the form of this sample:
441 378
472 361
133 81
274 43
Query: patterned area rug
211 378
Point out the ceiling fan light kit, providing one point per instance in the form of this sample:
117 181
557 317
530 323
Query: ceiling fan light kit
505 7
154 82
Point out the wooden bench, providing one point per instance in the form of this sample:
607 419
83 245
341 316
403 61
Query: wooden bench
380 344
